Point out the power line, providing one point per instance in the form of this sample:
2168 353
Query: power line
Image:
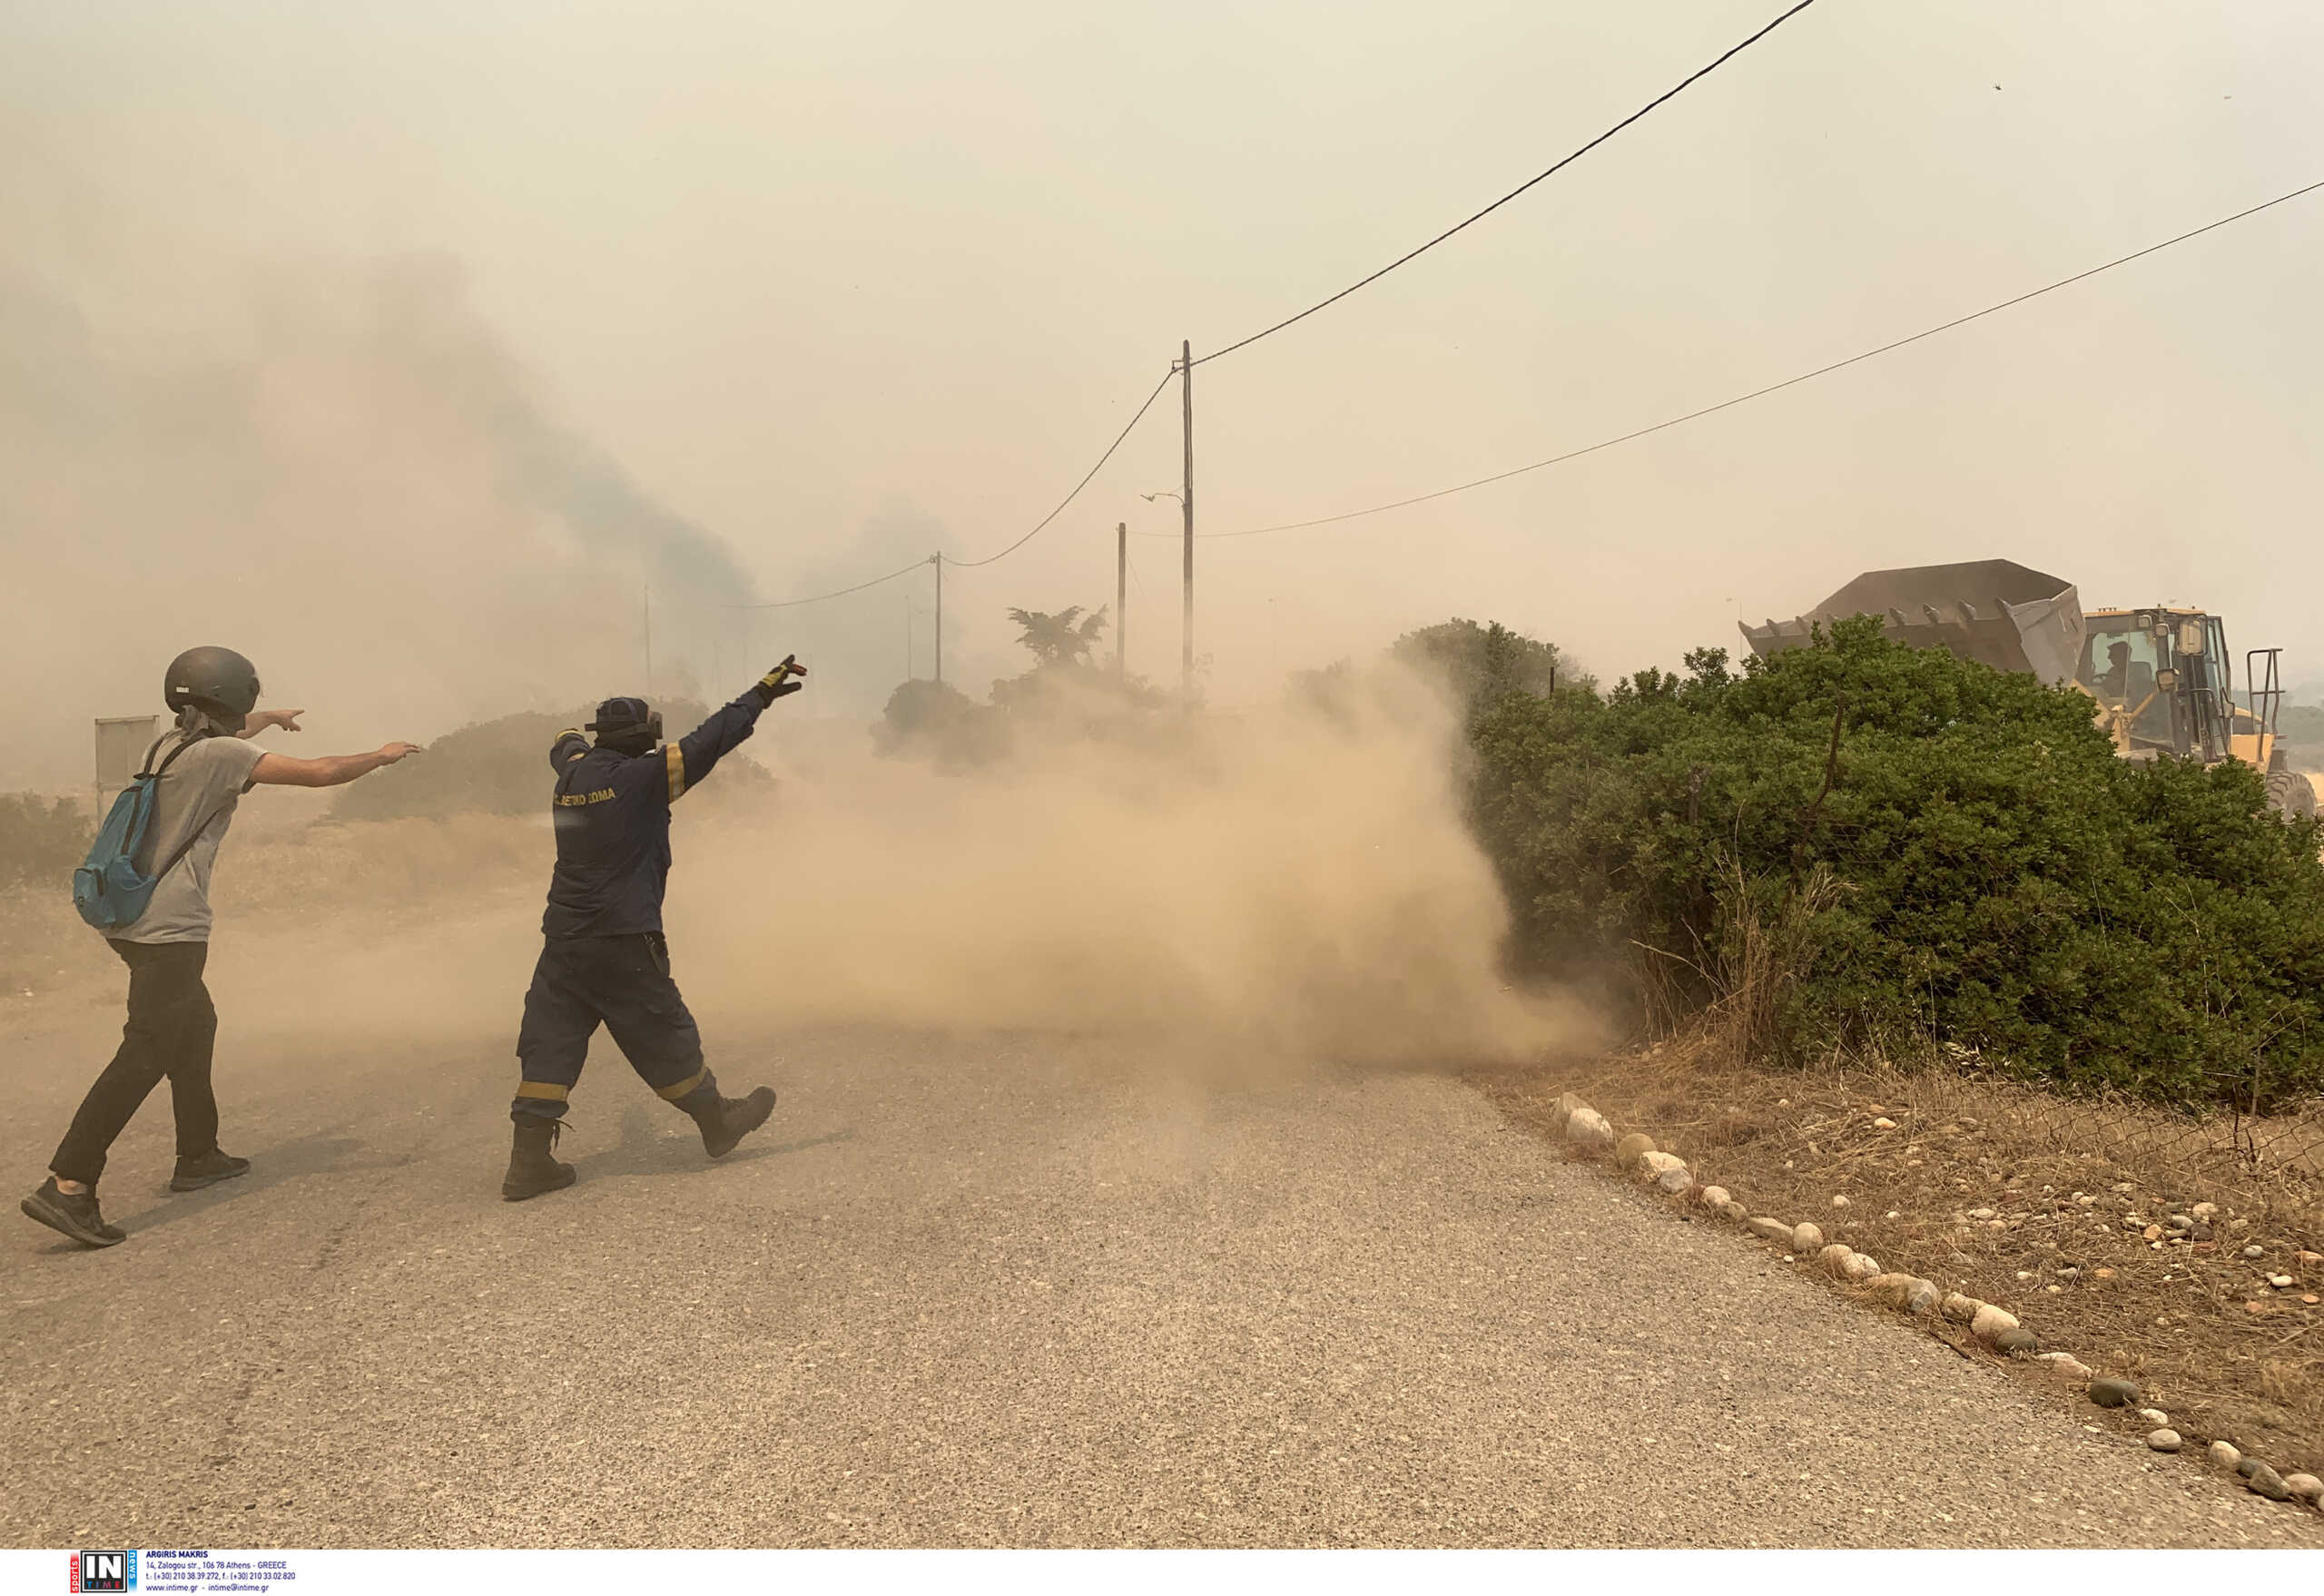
1772 387
837 592
1012 548
1043 523
1068 498
1666 94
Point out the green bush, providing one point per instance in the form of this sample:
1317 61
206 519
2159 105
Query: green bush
41 839
1066 697
1481 664
2004 882
937 722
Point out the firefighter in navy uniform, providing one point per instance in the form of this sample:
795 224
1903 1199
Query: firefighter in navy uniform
604 959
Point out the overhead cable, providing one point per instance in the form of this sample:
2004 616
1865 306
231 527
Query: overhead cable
1068 498
837 592
971 565
1742 399
1666 94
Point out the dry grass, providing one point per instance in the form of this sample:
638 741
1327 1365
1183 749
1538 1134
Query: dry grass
2228 1356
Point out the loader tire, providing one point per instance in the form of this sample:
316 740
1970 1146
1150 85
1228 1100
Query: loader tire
2290 792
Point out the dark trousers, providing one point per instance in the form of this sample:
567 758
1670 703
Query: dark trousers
624 984
171 1030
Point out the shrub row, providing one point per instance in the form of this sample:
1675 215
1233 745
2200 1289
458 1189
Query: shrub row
2003 882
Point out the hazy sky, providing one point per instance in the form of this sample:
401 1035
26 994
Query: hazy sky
410 326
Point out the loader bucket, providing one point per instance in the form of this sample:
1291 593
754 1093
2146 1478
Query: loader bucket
1991 611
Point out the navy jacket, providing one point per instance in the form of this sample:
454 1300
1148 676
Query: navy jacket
613 822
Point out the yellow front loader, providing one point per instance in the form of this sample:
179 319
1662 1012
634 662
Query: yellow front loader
2162 679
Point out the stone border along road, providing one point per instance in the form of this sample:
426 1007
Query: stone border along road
1587 1132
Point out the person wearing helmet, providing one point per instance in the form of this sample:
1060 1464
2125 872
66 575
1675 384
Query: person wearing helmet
604 959
172 1024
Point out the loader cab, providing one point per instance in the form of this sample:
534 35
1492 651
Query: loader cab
2163 674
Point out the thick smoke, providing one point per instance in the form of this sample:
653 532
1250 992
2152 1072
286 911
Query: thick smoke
344 474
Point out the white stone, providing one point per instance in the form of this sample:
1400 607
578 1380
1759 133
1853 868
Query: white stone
1775 1230
2305 1488
1839 1202
2163 1440
1991 1322
1835 1257
1806 1238
2223 1455
1961 1309
1587 1129
1668 1171
1714 1196
1862 1266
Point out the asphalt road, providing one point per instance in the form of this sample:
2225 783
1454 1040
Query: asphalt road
974 1289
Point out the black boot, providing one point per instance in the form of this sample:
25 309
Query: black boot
72 1214
532 1169
727 1120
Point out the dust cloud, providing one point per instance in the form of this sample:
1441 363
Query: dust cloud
338 469
1290 884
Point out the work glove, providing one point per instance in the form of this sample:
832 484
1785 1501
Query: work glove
782 680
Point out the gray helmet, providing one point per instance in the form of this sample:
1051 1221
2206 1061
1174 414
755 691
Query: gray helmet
219 682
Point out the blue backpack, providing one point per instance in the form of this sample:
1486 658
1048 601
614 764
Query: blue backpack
109 889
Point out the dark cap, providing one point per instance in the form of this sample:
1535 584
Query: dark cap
616 716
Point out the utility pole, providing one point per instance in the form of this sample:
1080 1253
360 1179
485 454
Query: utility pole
1186 505
938 561
1121 598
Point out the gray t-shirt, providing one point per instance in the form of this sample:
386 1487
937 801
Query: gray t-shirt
199 789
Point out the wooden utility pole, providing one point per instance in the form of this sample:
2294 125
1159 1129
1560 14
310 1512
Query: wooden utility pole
1121 598
1187 505
938 561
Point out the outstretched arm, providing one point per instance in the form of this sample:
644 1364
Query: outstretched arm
260 720
691 757
277 770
